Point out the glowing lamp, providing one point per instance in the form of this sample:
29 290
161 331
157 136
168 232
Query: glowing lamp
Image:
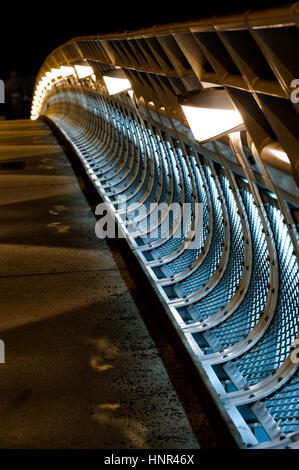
275 151
116 81
67 71
84 71
274 155
131 94
211 114
56 72
49 75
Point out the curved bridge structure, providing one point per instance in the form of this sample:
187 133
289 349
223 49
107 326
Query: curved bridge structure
212 218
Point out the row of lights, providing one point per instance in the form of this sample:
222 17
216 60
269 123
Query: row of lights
55 75
210 114
115 81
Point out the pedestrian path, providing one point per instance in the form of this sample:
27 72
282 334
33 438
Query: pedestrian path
81 370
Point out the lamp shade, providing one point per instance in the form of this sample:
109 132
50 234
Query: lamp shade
211 114
116 81
84 71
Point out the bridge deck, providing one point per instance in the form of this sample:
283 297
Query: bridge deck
82 370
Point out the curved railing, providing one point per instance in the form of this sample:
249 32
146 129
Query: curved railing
232 295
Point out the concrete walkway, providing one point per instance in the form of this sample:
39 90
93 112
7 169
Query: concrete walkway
82 370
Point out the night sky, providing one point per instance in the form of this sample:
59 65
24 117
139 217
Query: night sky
30 31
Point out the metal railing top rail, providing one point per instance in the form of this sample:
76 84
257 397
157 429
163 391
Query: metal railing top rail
279 16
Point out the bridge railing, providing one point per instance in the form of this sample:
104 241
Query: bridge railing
212 223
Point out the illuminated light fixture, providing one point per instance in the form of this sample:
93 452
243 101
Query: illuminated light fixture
211 114
66 71
47 78
281 155
40 87
84 71
275 151
56 73
46 81
274 156
116 81
131 94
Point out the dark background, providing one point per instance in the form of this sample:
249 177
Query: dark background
30 31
